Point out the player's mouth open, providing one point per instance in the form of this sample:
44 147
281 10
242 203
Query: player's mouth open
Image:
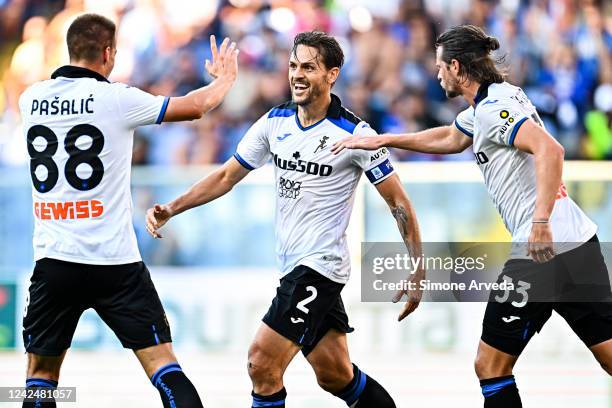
299 88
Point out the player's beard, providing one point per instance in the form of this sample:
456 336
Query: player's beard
452 88
312 93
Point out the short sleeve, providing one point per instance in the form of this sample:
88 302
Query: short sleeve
465 122
253 151
140 108
501 120
376 164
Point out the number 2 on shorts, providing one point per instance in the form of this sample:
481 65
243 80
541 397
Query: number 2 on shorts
302 304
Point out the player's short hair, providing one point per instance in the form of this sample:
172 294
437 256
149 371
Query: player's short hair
472 47
88 36
328 47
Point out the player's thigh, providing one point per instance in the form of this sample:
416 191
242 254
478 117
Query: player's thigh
127 301
155 357
270 353
331 362
603 354
54 306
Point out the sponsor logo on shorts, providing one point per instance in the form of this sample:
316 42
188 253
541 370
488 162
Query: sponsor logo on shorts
510 319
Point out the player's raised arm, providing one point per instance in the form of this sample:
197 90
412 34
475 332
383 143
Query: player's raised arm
438 140
211 187
224 69
392 191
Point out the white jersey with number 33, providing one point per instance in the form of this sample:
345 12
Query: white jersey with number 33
79 133
509 173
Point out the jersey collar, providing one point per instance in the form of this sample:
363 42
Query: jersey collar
335 107
483 92
70 71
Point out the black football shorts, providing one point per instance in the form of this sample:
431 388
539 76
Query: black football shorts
307 305
511 319
123 296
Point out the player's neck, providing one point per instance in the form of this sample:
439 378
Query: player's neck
470 91
313 112
90 66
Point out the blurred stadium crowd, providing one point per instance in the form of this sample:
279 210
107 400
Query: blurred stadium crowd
559 51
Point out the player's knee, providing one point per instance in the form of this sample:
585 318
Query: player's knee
334 379
44 367
266 377
486 367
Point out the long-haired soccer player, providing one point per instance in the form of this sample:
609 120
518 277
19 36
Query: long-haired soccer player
314 201
79 129
522 165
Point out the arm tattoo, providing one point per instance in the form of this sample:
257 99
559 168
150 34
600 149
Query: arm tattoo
401 217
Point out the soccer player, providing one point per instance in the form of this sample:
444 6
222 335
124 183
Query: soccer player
79 130
522 165
315 192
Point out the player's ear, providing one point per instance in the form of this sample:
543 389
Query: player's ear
332 75
106 55
454 66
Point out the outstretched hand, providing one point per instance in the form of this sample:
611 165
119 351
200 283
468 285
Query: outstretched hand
224 60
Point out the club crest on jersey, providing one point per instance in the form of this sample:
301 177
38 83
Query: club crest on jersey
302 166
322 143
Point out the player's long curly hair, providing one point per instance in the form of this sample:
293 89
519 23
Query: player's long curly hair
472 47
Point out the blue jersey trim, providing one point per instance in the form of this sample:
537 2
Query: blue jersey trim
162 111
463 130
243 162
515 131
280 113
302 128
378 173
344 123
258 404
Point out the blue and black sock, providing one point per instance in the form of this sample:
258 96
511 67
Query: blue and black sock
174 387
365 392
276 400
500 392
42 383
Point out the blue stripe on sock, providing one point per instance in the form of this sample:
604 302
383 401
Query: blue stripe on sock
492 389
164 370
40 382
353 394
257 403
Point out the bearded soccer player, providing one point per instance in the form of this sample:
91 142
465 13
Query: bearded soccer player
315 196
79 129
522 165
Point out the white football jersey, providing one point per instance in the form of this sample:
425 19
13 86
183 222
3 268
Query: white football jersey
79 133
315 189
509 173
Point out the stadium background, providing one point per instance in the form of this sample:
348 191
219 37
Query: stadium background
215 267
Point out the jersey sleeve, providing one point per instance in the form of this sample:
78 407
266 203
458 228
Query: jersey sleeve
465 122
376 164
139 108
253 151
501 120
